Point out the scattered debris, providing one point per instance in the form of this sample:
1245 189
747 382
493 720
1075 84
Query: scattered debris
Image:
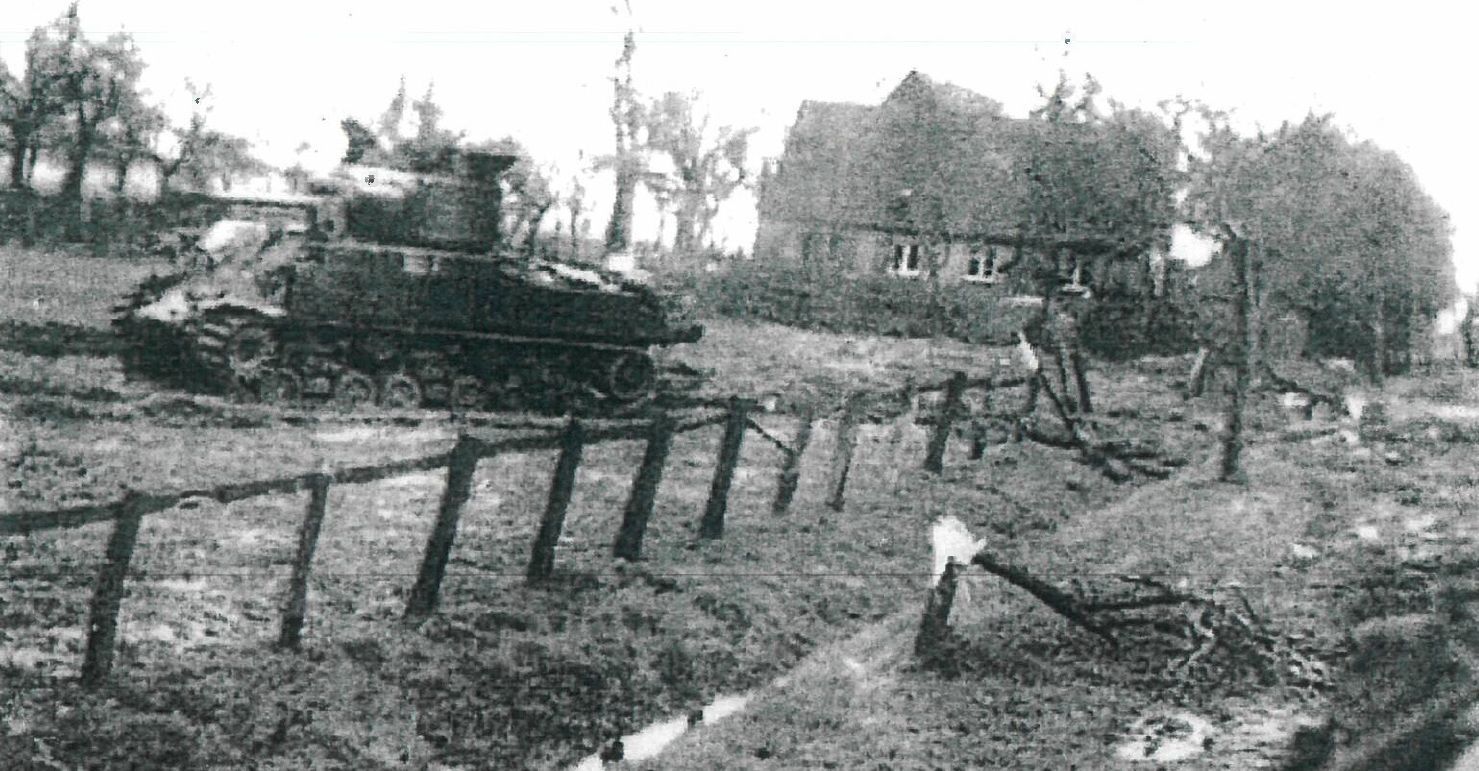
1166 738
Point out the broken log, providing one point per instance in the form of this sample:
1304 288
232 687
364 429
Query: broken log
1172 613
1057 600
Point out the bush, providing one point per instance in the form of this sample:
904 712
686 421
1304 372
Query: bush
875 304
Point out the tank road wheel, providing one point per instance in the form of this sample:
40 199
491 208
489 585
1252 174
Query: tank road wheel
248 352
400 392
629 376
235 352
280 388
353 390
468 393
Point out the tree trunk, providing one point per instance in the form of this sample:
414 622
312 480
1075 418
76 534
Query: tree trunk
31 155
1241 349
77 159
1379 340
120 175
20 143
619 228
684 233
1466 328
531 239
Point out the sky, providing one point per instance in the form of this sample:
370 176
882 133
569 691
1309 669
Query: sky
284 73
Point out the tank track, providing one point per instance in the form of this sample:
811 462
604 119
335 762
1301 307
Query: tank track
257 358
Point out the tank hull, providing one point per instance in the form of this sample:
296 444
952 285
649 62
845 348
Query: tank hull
367 324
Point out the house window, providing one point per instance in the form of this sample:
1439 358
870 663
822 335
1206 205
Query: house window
906 260
981 266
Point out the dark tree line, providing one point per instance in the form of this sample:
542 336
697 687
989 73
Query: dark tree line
78 101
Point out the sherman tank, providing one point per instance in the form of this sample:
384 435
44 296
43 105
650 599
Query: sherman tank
388 288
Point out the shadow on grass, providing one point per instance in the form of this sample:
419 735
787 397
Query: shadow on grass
55 339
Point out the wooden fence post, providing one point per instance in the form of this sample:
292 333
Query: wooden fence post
542 562
712 525
428 587
934 458
847 442
979 438
934 628
791 465
644 489
102 623
295 609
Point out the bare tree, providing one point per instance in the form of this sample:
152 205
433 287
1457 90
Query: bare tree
628 161
708 167
575 205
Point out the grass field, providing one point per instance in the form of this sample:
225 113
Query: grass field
507 676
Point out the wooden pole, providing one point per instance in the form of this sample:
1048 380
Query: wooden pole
791 465
644 489
847 443
427 590
979 438
934 458
934 628
295 610
1231 469
542 562
1196 382
712 525
107 598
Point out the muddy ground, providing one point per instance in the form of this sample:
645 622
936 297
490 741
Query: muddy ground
1327 536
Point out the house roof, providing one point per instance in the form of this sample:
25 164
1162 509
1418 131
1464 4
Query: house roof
936 156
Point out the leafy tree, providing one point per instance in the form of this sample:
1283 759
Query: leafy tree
180 148
431 150
1100 193
100 79
1353 244
529 195
32 100
707 168
395 114
297 174
222 158
131 137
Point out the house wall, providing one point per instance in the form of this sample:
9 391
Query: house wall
867 252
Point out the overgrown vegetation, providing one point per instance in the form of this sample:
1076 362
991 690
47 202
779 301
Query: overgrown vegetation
860 304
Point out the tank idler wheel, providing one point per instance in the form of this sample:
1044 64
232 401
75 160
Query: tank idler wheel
468 393
353 390
280 388
400 392
630 376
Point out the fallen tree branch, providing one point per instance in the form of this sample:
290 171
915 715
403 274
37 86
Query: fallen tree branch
1056 599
